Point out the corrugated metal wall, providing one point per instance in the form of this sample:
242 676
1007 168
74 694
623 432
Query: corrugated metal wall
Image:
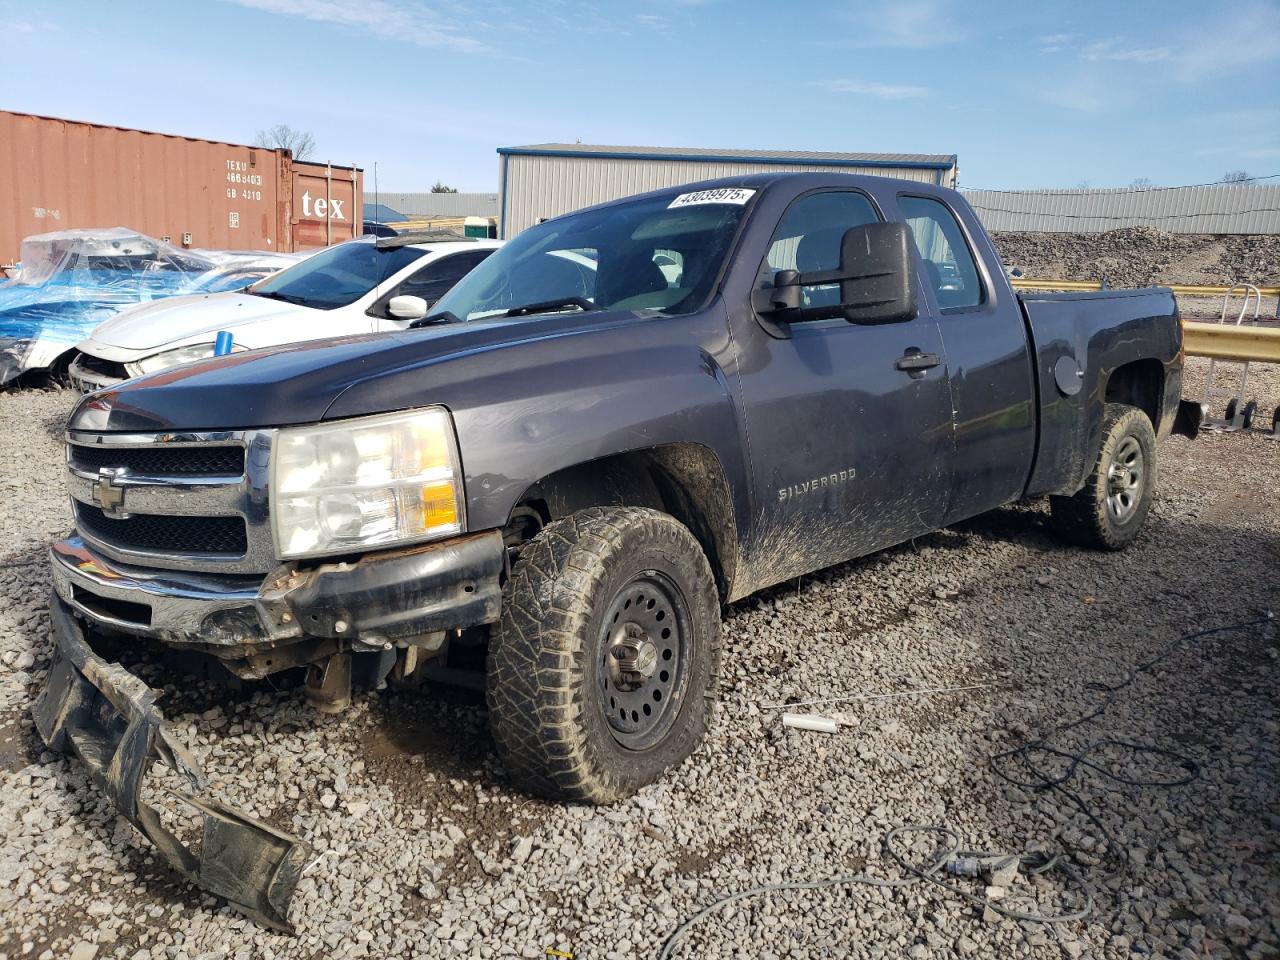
1221 208
537 187
60 174
326 205
438 204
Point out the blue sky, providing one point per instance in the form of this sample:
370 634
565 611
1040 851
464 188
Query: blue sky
1028 94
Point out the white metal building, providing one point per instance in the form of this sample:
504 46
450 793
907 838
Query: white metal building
548 179
421 205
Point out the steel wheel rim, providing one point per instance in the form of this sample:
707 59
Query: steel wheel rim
1126 475
639 718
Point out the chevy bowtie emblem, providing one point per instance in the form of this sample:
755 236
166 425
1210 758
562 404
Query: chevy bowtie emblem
107 496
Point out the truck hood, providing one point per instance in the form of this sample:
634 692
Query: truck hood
196 318
302 382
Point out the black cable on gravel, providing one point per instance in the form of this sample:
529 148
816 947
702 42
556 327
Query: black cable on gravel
1029 757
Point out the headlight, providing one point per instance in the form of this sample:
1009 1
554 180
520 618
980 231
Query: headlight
371 482
171 358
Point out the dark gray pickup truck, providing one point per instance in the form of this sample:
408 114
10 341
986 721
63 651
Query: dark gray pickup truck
622 420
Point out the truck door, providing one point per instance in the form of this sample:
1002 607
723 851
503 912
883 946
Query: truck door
850 451
987 355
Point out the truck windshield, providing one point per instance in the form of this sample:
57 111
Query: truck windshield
658 254
337 276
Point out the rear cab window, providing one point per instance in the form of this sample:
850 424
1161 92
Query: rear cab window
951 271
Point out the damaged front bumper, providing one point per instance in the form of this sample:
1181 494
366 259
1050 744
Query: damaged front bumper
257 626
108 718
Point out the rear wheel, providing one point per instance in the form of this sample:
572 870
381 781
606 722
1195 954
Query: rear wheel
602 672
1109 510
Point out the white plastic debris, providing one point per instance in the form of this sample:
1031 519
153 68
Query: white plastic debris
810 721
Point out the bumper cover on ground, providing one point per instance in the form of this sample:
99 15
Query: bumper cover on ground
108 718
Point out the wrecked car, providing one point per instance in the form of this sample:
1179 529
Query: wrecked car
622 420
73 280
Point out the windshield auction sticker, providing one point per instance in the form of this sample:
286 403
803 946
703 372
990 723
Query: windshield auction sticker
734 195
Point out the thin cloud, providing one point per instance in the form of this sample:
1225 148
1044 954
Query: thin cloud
1115 49
882 91
393 19
30 26
1056 41
1217 45
1107 48
1233 39
904 24
653 21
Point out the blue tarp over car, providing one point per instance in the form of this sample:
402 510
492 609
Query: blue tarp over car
72 280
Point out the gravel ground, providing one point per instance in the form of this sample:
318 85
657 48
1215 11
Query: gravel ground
427 852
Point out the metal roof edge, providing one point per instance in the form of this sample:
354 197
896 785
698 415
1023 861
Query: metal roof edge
178 136
718 158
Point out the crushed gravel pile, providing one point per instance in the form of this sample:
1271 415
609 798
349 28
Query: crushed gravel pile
1142 256
424 850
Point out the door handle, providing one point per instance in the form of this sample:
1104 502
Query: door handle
916 363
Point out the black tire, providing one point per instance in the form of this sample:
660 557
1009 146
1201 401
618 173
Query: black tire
552 709
1109 510
1250 409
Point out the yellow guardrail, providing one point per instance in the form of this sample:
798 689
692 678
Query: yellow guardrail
1226 341
1181 289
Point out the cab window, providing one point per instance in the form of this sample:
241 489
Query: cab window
948 262
809 236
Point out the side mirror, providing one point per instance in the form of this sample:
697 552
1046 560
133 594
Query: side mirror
783 295
875 274
407 308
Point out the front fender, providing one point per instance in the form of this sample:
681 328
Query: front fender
563 391
653 386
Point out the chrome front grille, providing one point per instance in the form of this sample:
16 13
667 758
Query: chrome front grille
189 501
210 461
150 531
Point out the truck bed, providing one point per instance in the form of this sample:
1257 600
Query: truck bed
1077 340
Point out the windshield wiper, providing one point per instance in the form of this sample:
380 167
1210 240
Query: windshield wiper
444 316
282 297
546 306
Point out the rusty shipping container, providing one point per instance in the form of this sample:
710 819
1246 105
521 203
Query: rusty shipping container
60 174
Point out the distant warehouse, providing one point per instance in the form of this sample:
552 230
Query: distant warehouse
420 206
548 179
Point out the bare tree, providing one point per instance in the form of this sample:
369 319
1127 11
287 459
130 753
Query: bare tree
1236 176
298 142
441 188
1141 183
